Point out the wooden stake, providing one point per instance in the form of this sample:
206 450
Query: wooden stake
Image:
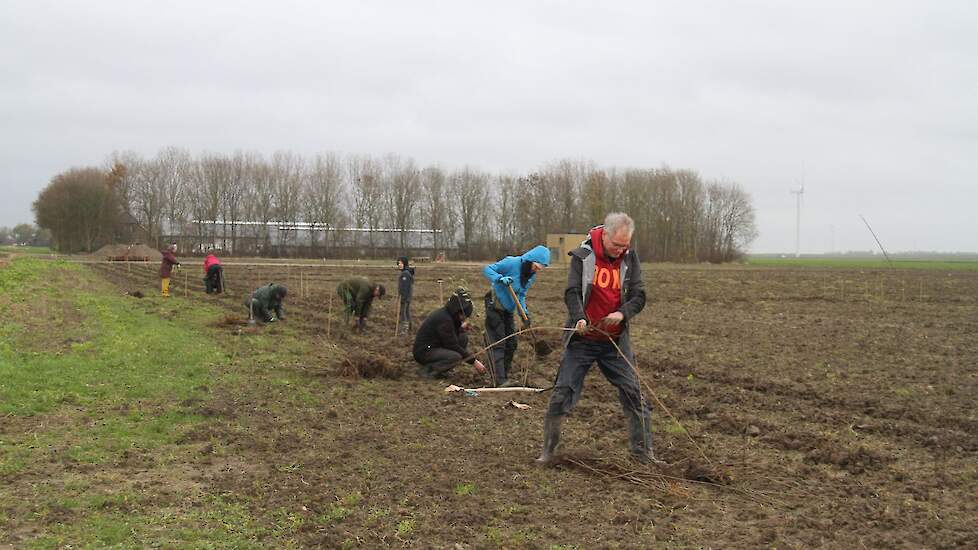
302 286
441 298
186 289
397 316
516 389
329 315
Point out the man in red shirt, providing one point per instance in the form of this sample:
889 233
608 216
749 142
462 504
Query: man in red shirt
604 290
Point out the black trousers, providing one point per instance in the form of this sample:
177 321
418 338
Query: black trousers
212 282
500 324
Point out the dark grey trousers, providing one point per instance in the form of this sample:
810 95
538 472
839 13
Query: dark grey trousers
500 324
438 361
405 315
575 363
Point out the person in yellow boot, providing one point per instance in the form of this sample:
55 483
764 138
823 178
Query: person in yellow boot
166 267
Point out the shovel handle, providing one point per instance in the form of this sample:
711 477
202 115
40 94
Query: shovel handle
519 306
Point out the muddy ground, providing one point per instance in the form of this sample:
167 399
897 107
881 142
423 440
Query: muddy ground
836 409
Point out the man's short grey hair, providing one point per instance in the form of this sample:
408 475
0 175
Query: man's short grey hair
618 221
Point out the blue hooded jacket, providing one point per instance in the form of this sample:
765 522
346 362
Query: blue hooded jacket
510 267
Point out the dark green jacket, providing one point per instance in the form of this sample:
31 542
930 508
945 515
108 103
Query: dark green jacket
358 295
266 300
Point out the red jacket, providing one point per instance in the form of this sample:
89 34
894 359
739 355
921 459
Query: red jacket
209 261
169 260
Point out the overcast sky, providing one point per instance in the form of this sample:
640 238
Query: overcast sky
873 105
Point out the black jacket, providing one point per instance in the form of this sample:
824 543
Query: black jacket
405 284
442 329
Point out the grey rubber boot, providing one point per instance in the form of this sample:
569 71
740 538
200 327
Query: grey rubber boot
551 439
640 439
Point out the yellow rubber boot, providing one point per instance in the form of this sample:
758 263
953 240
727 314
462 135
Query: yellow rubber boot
165 282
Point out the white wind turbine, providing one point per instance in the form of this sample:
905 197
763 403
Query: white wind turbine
798 193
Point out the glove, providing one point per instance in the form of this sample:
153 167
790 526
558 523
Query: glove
506 280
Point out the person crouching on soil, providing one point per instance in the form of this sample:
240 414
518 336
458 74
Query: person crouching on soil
512 274
604 291
358 295
166 268
405 287
213 275
265 303
441 343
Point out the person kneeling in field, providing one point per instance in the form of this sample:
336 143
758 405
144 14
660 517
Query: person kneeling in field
441 342
358 295
213 275
265 303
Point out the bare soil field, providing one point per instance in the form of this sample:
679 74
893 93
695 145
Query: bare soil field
806 408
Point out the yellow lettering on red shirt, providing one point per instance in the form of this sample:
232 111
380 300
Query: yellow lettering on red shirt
604 277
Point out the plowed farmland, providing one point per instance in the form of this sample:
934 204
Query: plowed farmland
796 408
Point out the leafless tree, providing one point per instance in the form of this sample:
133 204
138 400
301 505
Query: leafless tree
368 193
260 200
172 169
729 225
437 209
324 194
402 186
471 194
288 173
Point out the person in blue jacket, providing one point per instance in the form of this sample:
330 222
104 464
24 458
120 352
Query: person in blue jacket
516 273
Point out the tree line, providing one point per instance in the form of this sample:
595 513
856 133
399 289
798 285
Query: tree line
24 234
477 214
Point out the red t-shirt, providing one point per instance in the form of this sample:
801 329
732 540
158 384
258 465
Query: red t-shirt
605 295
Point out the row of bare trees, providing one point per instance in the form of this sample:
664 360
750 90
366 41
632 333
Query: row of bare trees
679 217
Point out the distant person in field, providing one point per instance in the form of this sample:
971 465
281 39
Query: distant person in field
441 343
604 291
509 276
358 295
405 287
265 303
166 268
213 275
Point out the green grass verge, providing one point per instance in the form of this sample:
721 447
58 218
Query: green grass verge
125 356
865 263
127 383
26 249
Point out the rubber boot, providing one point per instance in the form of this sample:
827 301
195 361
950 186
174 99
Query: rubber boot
640 438
551 439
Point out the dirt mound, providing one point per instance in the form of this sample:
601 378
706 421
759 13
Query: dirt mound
542 347
231 321
361 364
127 252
